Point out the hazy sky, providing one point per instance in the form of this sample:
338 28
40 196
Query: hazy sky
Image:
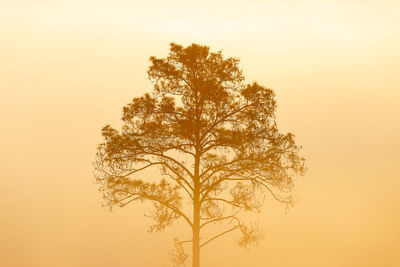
68 67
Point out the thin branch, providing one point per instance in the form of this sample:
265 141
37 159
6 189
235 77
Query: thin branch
223 200
173 160
140 169
179 147
185 241
213 185
273 194
219 167
174 209
149 197
219 219
179 176
131 200
218 121
219 235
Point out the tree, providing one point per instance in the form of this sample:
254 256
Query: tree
214 140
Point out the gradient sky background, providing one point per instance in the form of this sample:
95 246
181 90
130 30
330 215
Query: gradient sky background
68 67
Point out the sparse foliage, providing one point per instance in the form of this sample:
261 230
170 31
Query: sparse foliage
214 140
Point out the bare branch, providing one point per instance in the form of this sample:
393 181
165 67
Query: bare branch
162 155
223 200
288 201
174 209
219 219
219 235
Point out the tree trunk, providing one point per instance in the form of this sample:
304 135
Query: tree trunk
196 234
196 213
196 192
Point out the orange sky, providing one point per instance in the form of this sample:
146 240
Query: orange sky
68 67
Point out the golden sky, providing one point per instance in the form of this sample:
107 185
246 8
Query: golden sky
68 67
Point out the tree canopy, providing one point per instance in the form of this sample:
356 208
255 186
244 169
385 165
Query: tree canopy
214 140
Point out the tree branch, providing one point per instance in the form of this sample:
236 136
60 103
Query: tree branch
223 200
162 155
219 235
219 219
174 209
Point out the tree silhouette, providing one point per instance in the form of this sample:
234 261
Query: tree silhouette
214 140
